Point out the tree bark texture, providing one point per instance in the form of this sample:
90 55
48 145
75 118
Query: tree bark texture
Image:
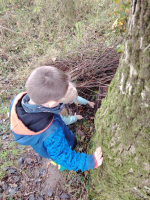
123 121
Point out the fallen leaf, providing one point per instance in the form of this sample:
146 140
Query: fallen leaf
92 117
86 173
82 138
82 72
1 117
13 185
80 133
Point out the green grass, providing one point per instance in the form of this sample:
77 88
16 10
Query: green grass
8 156
4 109
50 29
4 113
8 153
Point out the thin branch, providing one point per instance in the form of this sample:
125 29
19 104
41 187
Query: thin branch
10 30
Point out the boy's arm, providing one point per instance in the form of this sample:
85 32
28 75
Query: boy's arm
58 149
69 120
83 101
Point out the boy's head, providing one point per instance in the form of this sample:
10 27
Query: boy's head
70 95
47 84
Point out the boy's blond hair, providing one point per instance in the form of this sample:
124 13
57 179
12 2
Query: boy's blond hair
70 95
46 84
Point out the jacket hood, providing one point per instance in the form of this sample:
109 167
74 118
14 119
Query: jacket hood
24 123
34 108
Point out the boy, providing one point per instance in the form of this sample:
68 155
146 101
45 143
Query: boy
35 120
72 97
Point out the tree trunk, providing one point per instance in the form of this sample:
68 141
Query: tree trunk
123 121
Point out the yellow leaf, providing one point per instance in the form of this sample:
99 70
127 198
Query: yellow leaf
120 23
127 10
116 1
114 24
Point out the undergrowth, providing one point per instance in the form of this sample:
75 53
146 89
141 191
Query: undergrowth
35 30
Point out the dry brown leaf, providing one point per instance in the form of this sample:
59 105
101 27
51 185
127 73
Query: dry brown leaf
1 117
80 133
82 138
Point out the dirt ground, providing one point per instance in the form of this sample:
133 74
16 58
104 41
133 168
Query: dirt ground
35 178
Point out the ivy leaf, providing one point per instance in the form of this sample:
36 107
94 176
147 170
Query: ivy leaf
120 48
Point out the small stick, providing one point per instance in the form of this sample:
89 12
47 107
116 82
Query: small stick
10 30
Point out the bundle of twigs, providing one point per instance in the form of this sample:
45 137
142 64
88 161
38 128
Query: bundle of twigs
92 73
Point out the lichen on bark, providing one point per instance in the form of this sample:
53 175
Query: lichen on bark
123 121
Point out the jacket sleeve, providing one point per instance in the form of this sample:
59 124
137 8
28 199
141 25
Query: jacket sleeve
69 120
58 149
81 101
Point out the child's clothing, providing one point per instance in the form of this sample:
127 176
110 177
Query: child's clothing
43 129
72 119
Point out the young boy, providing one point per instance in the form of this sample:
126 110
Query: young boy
72 97
35 120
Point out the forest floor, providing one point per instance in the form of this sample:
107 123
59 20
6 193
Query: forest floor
86 43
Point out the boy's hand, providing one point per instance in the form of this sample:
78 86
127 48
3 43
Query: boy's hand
91 104
98 155
78 117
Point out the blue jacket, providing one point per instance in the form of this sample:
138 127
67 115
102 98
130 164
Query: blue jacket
53 141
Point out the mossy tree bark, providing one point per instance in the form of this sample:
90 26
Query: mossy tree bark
123 121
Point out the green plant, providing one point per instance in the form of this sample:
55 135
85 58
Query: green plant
120 47
121 14
78 30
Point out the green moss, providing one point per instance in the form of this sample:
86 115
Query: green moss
120 172
147 84
145 72
147 129
111 86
